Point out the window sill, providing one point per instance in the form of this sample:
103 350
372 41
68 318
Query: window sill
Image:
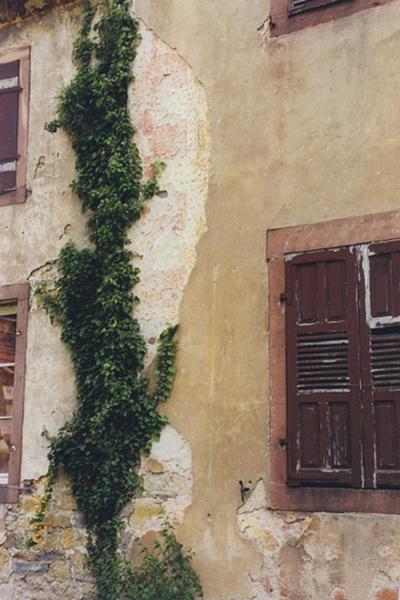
304 499
14 197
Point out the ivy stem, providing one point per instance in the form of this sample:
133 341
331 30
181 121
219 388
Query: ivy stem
116 417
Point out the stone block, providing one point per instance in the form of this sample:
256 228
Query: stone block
28 504
387 594
51 541
4 566
79 566
144 511
154 466
29 567
57 521
49 556
68 538
60 568
6 591
147 541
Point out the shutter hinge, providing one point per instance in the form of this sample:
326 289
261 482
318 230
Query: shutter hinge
283 443
283 297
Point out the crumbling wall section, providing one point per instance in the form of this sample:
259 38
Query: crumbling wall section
314 555
56 566
15 11
169 110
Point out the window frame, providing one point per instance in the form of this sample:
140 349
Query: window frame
18 196
281 242
20 294
284 20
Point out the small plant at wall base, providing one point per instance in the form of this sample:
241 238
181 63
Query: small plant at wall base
116 417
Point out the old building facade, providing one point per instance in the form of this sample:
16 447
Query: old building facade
280 129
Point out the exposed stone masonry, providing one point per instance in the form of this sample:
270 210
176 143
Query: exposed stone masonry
56 567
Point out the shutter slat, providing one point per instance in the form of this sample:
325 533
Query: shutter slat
330 361
385 366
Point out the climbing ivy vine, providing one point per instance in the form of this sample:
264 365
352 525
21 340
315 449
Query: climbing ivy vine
116 417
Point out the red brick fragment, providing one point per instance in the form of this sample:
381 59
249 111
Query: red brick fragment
387 594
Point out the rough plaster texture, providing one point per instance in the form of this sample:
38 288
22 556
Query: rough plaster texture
304 128
14 11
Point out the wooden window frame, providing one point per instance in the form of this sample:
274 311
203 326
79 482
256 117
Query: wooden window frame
20 294
18 196
284 20
280 242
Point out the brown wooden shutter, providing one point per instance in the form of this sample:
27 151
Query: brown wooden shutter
380 359
9 103
324 440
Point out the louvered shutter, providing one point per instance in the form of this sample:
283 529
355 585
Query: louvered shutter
299 6
9 102
323 369
380 359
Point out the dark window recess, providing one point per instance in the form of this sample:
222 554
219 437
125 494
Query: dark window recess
8 330
9 106
343 366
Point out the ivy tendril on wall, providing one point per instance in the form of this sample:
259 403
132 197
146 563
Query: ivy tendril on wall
116 417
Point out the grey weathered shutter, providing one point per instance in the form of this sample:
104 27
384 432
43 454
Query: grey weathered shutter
324 440
9 102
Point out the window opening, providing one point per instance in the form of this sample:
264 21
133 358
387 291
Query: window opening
8 332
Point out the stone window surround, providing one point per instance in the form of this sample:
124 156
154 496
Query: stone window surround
282 22
339 232
18 195
20 293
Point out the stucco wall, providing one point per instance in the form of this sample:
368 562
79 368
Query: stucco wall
304 128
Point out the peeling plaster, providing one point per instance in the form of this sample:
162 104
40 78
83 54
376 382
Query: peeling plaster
167 490
170 113
309 556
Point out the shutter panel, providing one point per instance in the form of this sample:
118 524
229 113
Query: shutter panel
323 369
380 357
9 102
